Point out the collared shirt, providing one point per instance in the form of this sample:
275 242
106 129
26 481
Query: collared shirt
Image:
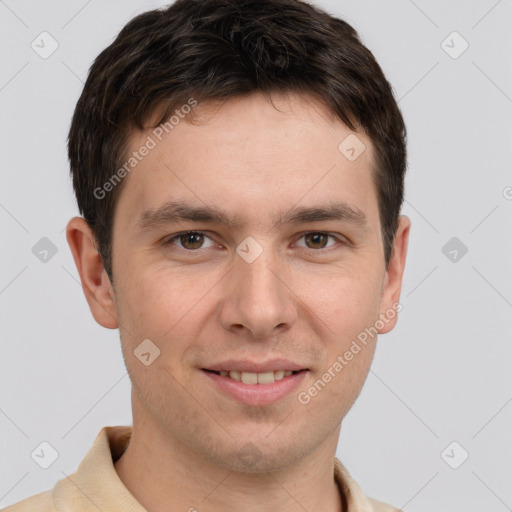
96 486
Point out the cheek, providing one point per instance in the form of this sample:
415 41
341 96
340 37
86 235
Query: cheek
335 389
347 309
345 301
157 303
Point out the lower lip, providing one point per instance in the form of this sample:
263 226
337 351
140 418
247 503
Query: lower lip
257 394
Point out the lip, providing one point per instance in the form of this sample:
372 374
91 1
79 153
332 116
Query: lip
256 394
245 365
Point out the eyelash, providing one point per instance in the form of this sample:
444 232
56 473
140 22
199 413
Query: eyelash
168 241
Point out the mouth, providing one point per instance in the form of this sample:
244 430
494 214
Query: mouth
255 378
255 388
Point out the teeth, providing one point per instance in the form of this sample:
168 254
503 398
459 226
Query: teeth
235 375
249 378
257 378
265 378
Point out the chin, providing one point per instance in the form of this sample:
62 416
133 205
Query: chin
257 454
250 459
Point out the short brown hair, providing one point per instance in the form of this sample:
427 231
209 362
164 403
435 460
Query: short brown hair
221 49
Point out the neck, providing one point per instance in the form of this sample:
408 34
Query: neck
163 474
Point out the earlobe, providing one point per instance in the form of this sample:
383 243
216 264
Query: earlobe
390 303
96 284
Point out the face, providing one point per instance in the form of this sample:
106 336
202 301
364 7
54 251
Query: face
247 242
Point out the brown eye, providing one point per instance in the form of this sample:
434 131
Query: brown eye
316 240
191 240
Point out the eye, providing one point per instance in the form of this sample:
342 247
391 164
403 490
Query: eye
190 240
194 240
317 240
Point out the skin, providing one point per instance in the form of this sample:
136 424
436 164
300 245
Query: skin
304 299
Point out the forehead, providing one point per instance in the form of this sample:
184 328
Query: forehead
251 155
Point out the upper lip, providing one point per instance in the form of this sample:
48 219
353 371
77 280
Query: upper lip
246 365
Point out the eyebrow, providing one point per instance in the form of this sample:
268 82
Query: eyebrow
175 211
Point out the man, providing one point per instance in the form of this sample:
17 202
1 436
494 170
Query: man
239 166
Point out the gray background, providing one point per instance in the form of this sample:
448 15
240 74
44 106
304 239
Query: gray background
442 375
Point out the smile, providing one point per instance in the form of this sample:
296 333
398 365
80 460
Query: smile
256 378
256 389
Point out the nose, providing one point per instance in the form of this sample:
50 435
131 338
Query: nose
258 299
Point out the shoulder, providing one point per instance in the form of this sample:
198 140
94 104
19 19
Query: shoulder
42 502
353 494
380 506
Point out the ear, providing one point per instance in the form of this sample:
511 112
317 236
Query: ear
393 280
95 282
